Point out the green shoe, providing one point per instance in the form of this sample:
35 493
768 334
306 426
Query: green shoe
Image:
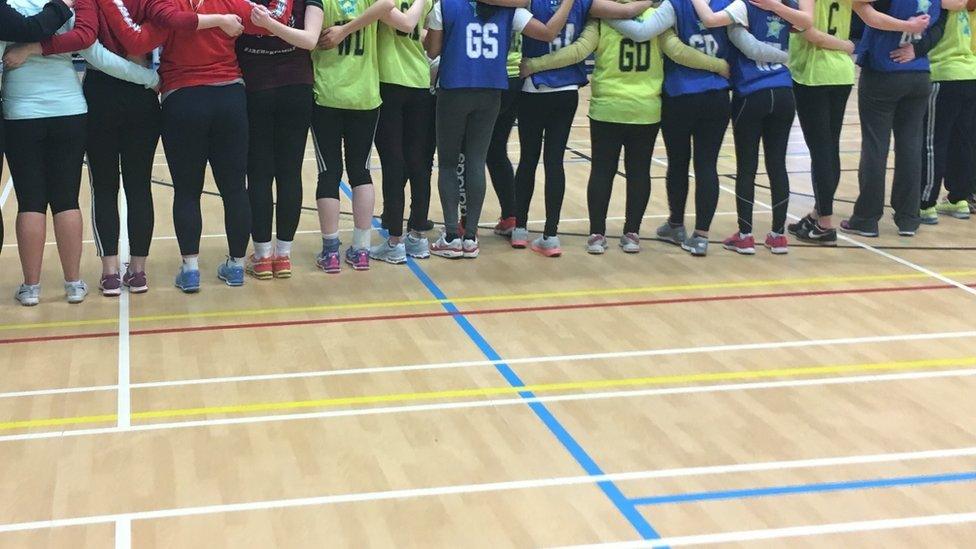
959 210
929 216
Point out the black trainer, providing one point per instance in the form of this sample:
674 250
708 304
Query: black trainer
817 234
847 227
801 226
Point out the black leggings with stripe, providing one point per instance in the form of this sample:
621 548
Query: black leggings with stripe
333 129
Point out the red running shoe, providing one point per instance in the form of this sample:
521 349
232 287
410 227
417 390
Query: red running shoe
777 243
745 245
505 226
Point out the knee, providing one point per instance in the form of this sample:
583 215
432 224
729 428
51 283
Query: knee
327 187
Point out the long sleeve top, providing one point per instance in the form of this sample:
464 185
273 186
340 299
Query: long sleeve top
16 27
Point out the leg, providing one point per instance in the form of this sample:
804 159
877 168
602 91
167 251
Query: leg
709 132
390 144
452 113
676 127
905 191
138 152
558 126
606 140
186 125
358 131
327 138
104 143
531 115
419 155
25 152
261 106
476 141
776 137
499 165
962 165
638 148
291 135
64 154
876 108
748 114
228 154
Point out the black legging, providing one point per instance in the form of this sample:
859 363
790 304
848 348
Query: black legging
765 115
702 117
201 124
548 117
333 129
123 130
278 120
404 143
499 165
821 113
637 141
45 156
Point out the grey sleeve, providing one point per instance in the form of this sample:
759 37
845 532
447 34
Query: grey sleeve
660 20
755 49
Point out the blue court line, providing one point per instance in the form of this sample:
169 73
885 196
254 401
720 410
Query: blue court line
820 487
622 503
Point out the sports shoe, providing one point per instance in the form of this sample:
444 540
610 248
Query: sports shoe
929 216
520 238
110 285
972 204
670 233
260 268
137 283
328 261
231 274
847 227
959 210
817 234
505 226
696 245
744 245
801 226
391 253
188 281
417 247
630 243
281 266
906 232
777 243
451 250
596 244
28 294
359 259
469 248
547 246
75 292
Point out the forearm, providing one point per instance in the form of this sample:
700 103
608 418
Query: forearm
136 39
405 21
118 67
683 54
570 55
660 20
609 9
800 18
368 17
81 36
755 49
14 27
826 41
875 19
708 17
166 14
305 39
932 36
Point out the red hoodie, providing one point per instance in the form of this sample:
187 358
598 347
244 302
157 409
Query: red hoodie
190 57
91 23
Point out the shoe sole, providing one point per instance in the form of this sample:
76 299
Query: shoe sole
471 255
137 289
448 254
906 233
357 267
693 252
260 276
391 261
420 256
189 290
111 293
547 252
929 221
865 234
75 301
596 251
956 215
28 303
231 283
630 250
816 241
740 251
519 244
778 250
507 232
282 274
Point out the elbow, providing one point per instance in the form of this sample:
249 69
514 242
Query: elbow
713 21
549 35
805 22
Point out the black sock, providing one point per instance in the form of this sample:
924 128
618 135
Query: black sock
450 237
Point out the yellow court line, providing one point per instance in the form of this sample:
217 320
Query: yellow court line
506 390
601 292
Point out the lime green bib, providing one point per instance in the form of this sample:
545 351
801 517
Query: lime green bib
627 79
402 58
347 76
514 55
952 58
972 25
813 66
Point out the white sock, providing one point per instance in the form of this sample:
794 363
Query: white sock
361 238
262 250
235 261
744 235
283 248
191 263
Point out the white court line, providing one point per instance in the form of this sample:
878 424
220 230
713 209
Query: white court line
5 194
796 531
573 397
610 355
123 533
411 493
123 400
858 243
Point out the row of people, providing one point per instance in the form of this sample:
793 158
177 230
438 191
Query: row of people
368 75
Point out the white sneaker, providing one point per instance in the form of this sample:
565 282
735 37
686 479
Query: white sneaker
630 243
391 253
596 244
450 250
417 247
28 294
469 248
76 291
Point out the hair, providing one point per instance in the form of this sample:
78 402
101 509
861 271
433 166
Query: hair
485 11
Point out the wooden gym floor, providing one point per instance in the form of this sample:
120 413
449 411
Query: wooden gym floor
824 398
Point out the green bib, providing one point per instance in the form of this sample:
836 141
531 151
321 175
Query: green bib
972 25
952 58
402 58
514 55
627 79
347 76
813 66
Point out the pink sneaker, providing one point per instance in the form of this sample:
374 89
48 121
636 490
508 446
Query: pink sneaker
359 259
777 243
745 245
137 283
469 248
328 262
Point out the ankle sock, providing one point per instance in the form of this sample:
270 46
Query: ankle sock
283 248
235 261
262 250
330 242
191 263
450 237
361 238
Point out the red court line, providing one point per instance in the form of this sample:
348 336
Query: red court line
476 312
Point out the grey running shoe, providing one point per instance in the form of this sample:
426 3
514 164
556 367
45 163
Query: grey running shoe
451 250
547 246
390 253
469 248
596 244
28 294
630 243
520 237
696 245
76 291
675 235
417 247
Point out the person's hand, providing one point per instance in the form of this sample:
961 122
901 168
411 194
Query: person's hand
332 37
231 25
904 54
849 47
917 24
69 3
17 54
767 5
261 17
524 70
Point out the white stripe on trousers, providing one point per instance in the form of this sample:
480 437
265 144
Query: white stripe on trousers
930 183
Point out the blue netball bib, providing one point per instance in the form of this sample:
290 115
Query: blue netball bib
475 51
682 80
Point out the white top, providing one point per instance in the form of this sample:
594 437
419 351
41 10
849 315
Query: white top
739 12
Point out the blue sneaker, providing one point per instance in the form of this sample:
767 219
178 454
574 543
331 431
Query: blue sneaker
232 275
188 281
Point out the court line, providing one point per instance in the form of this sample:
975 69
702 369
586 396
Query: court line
489 487
5 194
543 359
496 403
586 385
812 488
123 533
797 531
123 393
536 296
